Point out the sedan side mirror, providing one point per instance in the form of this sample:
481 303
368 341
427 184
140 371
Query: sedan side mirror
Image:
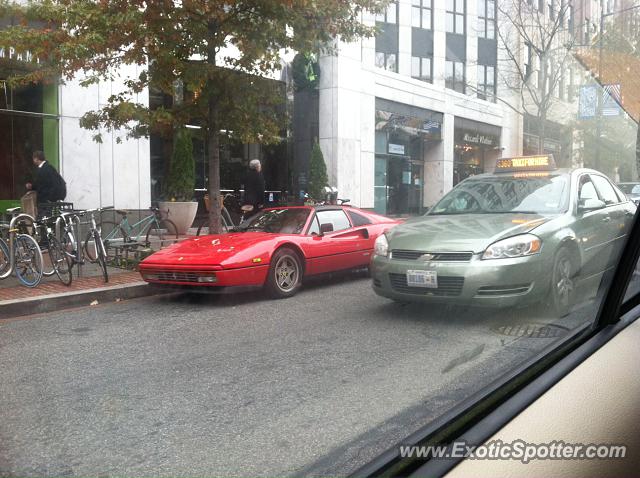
587 205
326 227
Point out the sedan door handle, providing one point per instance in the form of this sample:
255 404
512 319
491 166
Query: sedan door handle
606 219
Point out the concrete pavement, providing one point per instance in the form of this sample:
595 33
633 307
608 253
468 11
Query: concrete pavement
194 385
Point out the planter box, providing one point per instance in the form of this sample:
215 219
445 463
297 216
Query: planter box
181 213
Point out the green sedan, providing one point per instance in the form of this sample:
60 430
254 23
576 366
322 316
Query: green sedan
509 238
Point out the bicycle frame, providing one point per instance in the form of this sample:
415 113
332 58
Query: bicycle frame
70 223
146 222
12 239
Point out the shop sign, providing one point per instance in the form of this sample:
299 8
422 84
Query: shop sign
478 139
396 148
11 54
430 129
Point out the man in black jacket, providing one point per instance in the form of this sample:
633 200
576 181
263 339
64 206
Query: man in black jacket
48 182
254 186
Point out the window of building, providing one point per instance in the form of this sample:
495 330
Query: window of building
454 20
487 82
454 76
528 66
487 19
421 68
386 61
571 19
390 15
552 11
421 14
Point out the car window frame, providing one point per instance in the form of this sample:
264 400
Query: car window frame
615 193
315 216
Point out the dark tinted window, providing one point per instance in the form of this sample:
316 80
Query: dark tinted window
358 219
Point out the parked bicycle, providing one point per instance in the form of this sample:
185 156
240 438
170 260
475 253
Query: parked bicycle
154 228
20 252
94 247
60 264
227 222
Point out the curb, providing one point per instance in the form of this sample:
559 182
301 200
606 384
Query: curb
69 300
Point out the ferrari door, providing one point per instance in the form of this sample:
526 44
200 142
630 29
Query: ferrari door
334 244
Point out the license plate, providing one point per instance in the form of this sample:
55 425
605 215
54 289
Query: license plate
427 279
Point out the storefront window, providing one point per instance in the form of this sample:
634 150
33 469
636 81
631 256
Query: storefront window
475 150
28 123
401 140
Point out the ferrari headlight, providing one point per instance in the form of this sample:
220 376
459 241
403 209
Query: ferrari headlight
381 246
516 246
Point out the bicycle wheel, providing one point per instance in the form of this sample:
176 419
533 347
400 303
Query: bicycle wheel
61 262
160 232
69 246
101 255
5 261
112 236
204 227
28 260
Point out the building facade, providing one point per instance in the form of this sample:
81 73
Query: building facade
46 117
406 115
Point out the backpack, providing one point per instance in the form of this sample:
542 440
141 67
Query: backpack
60 188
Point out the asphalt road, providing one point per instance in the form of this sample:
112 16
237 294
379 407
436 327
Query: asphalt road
238 385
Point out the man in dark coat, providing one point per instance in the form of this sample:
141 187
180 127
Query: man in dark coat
48 182
254 186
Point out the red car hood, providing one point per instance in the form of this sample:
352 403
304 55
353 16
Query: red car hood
240 249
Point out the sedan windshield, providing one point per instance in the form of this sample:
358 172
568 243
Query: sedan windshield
506 194
283 221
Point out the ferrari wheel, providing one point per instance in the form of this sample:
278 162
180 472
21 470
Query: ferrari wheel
285 274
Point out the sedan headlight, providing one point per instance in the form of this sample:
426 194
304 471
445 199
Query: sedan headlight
516 246
381 246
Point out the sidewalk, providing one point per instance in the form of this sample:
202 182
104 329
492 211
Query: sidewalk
51 295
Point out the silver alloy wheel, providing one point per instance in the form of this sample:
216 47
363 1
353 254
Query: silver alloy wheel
287 273
564 283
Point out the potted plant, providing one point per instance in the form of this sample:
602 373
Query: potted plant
179 205
317 174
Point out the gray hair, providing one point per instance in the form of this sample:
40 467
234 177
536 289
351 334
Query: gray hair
254 163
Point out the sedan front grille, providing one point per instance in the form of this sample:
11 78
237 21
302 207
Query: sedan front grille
447 286
407 255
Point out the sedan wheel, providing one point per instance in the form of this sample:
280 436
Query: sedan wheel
562 284
285 274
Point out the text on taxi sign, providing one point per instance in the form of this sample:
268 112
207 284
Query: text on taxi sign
526 162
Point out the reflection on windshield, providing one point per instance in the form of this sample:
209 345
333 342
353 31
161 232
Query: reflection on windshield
537 195
283 221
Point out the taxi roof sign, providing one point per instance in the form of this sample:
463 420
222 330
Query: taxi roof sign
540 162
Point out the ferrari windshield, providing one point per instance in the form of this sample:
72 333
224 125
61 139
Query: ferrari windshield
282 221
507 194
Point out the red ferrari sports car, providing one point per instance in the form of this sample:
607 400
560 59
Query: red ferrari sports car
275 249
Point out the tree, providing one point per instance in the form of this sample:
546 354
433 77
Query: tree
182 177
217 50
317 173
528 37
